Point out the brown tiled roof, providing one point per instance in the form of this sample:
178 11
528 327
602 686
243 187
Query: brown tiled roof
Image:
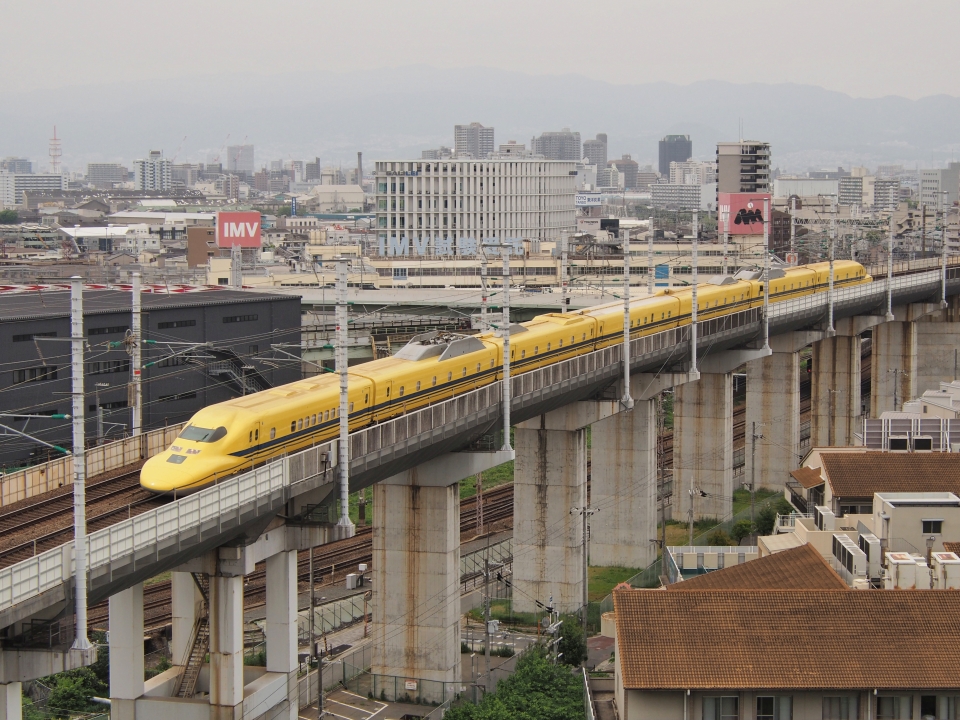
863 474
799 568
808 477
953 547
788 639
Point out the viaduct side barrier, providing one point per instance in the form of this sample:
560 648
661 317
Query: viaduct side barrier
32 481
132 550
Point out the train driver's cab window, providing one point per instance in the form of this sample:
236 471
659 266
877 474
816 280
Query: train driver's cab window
204 435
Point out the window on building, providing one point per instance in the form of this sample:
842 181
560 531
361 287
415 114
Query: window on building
895 707
176 324
775 708
840 708
30 336
932 527
35 374
239 318
178 396
112 330
721 708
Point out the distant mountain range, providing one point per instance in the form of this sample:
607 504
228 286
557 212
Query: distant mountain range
396 112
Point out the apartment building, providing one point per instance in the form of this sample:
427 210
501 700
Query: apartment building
13 186
674 148
939 187
474 140
154 172
743 166
445 207
595 151
562 145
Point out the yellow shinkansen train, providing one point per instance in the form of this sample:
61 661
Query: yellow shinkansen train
230 437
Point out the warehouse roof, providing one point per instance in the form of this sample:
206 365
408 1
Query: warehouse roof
799 568
863 474
56 303
836 639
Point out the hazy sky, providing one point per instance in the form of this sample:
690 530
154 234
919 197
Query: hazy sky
866 48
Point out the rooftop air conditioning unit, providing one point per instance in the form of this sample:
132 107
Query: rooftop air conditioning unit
901 571
870 544
898 443
922 443
946 567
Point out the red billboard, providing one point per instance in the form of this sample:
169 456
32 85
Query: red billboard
743 212
238 228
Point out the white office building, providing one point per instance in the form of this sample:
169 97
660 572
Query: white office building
939 187
153 173
13 185
444 208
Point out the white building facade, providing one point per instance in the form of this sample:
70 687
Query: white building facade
446 207
153 173
13 185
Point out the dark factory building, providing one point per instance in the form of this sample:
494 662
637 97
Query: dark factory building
181 373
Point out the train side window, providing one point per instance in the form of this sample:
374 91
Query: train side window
326 415
251 436
548 347
449 376
401 391
293 426
585 335
300 424
256 434
523 354
536 349
366 396
478 367
388 392
418 384
464 373
351 407
273 433
434 381
573 339
491 362
306 421
313 420
559 343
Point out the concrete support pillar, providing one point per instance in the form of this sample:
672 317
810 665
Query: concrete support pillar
416 553
281 628
185 604
549 480
773 403
126 650
893 366
11 707
703 442
623 482
938 339
835 391
226 645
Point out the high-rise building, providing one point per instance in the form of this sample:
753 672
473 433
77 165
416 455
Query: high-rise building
427 207
743 167
886 194
13 185
153 173
311 170
16 165
240 159
595 151
692 173
436 153
674 148
850 191
627 167
106 175
186 174
562 145
939 187
473 139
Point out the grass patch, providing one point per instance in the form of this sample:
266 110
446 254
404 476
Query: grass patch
602 580
741 497
502 610
162 577
494 477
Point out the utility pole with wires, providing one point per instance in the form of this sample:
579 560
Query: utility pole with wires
766 273
505 330
694 373
753 470
690 513
650 268
564 239
831 331
890 272
77 341
626 400
136 352
479 503
345 526
661 496
484 320
584 513
726 239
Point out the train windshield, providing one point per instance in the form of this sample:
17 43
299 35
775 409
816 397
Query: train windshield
199 434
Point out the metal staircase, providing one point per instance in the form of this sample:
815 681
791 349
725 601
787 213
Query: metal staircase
228 365
199 644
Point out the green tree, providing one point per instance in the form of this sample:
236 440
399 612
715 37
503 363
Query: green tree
740 530
9 217
72 690
719 537
538 690
767 517
572 645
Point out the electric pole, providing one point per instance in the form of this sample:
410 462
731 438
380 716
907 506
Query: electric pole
626 400
77 340
584 513
753 470
136 325
346 527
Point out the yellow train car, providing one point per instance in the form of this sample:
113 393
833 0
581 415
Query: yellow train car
238 434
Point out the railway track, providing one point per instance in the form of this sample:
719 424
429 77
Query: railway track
331 562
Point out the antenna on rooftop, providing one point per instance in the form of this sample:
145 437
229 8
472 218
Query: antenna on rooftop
56 150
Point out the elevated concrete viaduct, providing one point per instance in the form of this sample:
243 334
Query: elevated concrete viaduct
211 539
